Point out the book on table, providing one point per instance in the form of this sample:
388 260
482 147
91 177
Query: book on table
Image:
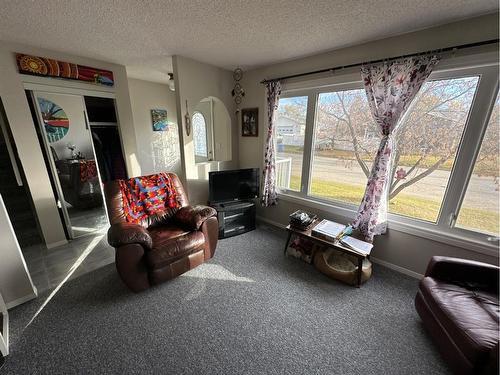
328 230
334 232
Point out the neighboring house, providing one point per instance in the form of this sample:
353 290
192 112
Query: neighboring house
287 126
289 131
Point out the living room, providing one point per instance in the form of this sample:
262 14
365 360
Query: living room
239 123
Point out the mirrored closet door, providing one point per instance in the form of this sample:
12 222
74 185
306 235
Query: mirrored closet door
68 144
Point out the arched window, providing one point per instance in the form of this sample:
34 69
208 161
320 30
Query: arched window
199 135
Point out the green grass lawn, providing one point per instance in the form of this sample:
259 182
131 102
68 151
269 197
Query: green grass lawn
402 204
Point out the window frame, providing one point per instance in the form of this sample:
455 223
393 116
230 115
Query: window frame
308 112
485 66
474 147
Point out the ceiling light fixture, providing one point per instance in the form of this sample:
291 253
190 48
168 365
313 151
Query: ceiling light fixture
171 82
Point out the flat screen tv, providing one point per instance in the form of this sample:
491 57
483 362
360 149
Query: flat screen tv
234 185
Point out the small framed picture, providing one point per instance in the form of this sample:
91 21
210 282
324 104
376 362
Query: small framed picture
159 119
250 122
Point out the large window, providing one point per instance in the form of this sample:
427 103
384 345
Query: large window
427 144
290 133
345 142
327 155
479 210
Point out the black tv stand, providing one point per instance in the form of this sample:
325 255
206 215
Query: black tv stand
235 217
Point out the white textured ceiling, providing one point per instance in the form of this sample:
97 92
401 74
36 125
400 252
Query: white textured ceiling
143 35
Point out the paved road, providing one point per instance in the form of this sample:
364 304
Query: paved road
481 191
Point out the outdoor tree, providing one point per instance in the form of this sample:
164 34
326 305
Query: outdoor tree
427 139
294 109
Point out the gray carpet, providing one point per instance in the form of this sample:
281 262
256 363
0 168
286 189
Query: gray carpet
249 310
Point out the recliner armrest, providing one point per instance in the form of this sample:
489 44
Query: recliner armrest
128 233
459 270
192 218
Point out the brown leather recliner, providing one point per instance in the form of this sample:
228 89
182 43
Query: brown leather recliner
162 247
458 303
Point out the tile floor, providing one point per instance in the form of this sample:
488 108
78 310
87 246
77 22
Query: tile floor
48 267
85 220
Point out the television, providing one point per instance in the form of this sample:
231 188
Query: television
233 185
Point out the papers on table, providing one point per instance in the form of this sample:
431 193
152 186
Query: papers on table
329 228
331 231
359 246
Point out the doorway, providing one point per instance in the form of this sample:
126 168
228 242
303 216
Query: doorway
106 138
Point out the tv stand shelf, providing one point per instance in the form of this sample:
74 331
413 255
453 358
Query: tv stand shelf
235 217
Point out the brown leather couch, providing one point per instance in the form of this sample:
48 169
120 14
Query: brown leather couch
160 248
458 303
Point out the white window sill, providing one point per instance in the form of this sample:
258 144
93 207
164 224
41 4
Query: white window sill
400 224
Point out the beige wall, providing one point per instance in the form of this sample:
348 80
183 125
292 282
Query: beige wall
15 282
196 81
398 248
157 151
223 140
23 131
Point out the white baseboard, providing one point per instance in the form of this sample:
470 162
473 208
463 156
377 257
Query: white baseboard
396 268
56 244
271 222
384 263
22 300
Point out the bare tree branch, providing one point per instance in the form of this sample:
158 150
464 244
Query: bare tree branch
355 141
418 177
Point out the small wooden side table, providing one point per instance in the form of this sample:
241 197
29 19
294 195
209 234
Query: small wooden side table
4 329
292 231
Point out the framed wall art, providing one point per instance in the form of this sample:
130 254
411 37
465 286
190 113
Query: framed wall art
159 119
250 122
45 67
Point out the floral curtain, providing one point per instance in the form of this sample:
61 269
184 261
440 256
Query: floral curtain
390 88
269 193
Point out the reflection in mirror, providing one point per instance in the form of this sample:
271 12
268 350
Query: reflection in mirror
71 144
211 126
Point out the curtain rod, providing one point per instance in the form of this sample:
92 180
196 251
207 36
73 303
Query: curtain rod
447 49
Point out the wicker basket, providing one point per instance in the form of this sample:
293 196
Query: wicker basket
342 267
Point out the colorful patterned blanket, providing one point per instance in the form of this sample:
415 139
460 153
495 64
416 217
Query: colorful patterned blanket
88 170
147 195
